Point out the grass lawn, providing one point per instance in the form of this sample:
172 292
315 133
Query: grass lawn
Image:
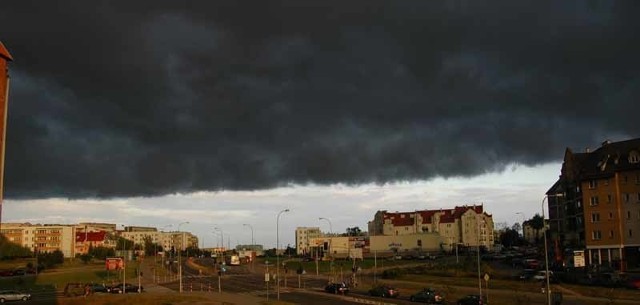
69 272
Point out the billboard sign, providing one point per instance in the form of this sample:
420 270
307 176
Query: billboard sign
114 263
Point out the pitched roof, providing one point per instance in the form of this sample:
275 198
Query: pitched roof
606 160
4 53
446 215
90 236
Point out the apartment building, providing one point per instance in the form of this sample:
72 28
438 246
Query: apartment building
595 204
74 239
465 225
304 238
168 240
530 234
42 238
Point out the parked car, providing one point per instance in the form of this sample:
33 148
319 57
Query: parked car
19 272
127 288
98 288
526 274
428 296
472 299
341 288
13 295
542 275
74 289
531 263
384 291
633 283
6 272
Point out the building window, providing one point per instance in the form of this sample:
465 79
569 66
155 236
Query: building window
609 198
626 197
594 200
630 233
595 217
579 203
628 214
593 184
610 215
596 235
610 233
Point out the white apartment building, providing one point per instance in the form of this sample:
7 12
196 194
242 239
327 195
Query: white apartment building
304 237
466 225
177 240
42 238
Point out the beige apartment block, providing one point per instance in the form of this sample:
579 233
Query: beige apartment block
304 237
42 238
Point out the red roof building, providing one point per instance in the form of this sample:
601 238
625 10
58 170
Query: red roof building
469 224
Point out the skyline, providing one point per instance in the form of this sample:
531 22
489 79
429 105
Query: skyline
351 206
224 112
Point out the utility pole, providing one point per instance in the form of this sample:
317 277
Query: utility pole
5 57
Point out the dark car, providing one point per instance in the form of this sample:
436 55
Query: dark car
472 299
526 274
98 288
127 288
384 291
341 288
428 296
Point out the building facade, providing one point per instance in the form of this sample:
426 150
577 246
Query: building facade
595 205
76 239
42 238
465 225
304 238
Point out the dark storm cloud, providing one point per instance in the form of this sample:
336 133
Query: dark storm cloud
121 98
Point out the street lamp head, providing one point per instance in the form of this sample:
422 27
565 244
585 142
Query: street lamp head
286 210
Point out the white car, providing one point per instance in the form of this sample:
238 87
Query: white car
542 275
12 295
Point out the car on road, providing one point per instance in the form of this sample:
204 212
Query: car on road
428 296
74 289
128 288
341 288
384 291
472 299
13 295
526 274
542 275
98 288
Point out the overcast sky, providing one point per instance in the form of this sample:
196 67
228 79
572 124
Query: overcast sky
226 112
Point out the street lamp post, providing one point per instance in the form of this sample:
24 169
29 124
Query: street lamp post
155 254
546 251
478 257
278 254
248 225
221 241
522 215
180 253
124 264
252 244
330 232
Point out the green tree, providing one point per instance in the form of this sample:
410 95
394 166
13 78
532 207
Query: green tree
355 231
537 223
101 252
10 250
124 244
